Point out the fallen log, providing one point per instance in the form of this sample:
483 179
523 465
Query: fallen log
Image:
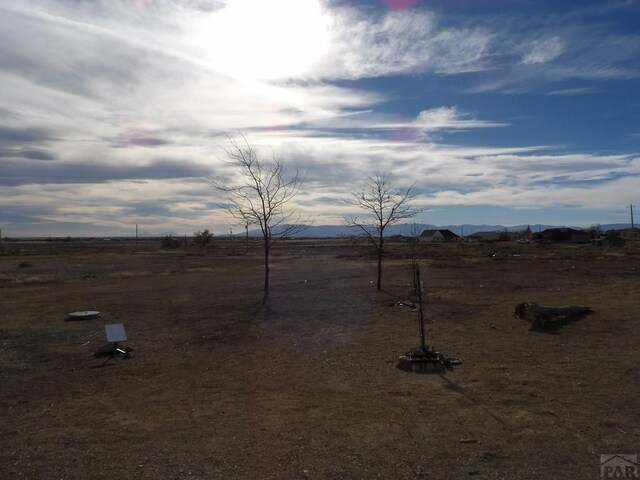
545 318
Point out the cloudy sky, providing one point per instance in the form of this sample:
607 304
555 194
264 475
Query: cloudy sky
114 112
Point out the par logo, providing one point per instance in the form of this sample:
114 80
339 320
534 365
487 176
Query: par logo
619 466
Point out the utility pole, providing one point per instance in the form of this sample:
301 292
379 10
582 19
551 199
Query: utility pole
136 237
631 209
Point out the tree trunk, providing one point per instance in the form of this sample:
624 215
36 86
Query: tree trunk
380 262
267 246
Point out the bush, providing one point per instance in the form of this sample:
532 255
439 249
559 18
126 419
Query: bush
170 242
202 238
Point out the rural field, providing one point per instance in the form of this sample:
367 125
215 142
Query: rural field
306 387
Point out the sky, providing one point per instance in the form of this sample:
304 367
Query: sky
116 112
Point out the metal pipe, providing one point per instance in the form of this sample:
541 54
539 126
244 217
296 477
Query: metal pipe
423 345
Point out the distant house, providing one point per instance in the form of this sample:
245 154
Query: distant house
397 238
628 233
565 235
608 242
438 236
484 237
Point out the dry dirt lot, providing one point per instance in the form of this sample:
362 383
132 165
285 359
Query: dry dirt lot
306 388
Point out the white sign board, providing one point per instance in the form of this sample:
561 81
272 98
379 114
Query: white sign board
115 332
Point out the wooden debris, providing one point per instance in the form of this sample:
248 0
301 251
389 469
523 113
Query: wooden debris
545 318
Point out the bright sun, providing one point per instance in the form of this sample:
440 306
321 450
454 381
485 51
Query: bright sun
264 39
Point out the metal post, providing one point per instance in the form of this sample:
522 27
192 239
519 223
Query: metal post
631 208
423 345
136 237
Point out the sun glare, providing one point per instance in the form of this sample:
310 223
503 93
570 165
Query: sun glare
260 39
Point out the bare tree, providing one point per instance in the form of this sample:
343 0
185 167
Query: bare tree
385 205
261 197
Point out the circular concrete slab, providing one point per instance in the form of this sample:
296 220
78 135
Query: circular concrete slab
86 315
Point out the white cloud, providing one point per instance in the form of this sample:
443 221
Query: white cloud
572 91
396 42
543 51
450 118
447 175
602 197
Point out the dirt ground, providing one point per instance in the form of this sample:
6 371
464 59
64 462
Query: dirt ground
306 387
